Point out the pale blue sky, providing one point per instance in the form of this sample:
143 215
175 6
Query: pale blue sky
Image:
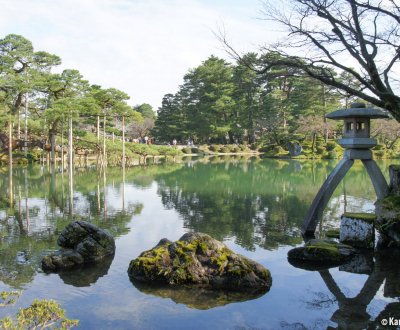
143 47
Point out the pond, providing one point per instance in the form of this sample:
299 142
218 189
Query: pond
256 206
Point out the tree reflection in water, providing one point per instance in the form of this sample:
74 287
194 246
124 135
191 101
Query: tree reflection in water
259 203
30 225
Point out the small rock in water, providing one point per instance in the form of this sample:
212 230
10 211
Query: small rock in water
82 243
320 254
199 259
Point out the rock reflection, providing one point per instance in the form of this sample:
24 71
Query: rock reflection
197 297
87 275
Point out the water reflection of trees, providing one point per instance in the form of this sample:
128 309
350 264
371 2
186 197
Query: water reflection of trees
38 210
259 203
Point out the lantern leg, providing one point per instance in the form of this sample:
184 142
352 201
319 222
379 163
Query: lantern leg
314 214
377 178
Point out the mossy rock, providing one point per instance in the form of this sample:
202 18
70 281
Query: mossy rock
198 259
367 217
333 233
320 254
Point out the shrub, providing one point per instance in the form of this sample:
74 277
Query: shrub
40 314
243 147
320 150
331 155
224 149
214 147
331 145
187 150
234 148
278 150
379 153
379 147
255 146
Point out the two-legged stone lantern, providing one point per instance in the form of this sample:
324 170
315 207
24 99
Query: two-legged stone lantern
357 142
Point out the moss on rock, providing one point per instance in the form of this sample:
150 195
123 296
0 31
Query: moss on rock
321 252
367 217
332 233
198 259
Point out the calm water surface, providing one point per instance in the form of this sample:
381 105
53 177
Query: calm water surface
255 206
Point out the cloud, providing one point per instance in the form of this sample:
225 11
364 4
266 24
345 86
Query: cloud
143 47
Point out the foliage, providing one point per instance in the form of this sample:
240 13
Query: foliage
9 298
146 110
40 314
223 103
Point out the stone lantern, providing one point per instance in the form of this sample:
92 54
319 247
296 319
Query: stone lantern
357 142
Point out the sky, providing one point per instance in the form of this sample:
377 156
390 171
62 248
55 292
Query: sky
142 47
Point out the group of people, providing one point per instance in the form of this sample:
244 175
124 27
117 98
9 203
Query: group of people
145 140
189 142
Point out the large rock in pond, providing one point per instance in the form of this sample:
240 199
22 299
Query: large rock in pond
198 259
320 254
82 243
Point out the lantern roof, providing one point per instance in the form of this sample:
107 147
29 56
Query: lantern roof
357 110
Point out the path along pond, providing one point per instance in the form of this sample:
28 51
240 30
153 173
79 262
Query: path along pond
255 206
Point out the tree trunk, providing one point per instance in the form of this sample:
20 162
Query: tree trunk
98 129
26 126
19 124
53 143
104 142
313 141
10 166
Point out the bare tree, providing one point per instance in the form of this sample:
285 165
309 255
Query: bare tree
140 129
358 37
387 130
